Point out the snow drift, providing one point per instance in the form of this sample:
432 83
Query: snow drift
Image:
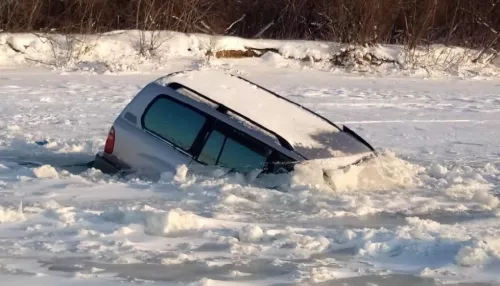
124 51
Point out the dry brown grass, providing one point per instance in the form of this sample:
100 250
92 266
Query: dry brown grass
235 54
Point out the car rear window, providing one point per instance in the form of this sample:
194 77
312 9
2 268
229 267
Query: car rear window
174 122
234 150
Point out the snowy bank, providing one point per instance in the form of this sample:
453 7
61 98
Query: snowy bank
121 51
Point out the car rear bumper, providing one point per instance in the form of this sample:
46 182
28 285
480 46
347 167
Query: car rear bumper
108 164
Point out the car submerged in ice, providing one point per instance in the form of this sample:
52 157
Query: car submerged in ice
197 118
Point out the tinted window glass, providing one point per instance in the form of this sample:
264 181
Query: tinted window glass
194 96
210 152
231 149
242 158
174 122
279 163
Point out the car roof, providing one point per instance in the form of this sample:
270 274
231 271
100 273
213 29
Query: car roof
302 128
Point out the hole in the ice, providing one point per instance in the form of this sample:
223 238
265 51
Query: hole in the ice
74 168
34 155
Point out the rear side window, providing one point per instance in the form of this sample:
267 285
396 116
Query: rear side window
233 150
174 122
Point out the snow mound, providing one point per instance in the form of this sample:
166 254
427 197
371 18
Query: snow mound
173 222
481 196
301 245
181 174
250 233
426 242
46 172
383 172
275 59
9 215
472 256
437 171
155 221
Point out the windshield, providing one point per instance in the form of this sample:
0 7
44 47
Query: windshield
336 144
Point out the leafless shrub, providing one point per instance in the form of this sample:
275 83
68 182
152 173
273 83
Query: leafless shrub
147 22
468 23
66 49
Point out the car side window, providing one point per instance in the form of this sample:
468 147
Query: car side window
174 122
242 157
212 149
231 149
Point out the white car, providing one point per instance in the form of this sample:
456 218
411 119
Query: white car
197 118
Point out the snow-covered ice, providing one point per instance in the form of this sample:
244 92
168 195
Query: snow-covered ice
425 212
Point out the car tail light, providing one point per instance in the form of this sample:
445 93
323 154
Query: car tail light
110 141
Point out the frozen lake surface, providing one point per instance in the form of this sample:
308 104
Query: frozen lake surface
425 213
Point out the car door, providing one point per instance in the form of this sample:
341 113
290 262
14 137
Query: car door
233 149
175 131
